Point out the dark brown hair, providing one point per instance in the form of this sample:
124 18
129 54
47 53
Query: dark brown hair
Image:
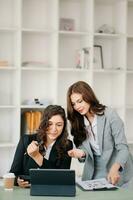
49 112
77 120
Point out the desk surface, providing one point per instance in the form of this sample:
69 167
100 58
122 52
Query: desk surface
24 194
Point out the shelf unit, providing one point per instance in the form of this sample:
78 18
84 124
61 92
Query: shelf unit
41 59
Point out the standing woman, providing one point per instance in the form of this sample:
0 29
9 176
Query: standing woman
46 149
98 134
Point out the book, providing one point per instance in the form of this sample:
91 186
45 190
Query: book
31 121
27 120
95 184
82 58
37 119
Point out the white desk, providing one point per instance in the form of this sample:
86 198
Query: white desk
24 194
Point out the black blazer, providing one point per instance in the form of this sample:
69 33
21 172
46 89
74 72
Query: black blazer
23 162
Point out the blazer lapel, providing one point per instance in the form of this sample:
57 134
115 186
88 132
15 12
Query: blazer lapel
53 152
100 130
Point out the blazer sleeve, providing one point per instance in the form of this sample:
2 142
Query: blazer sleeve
118 133
21 162
63 163
17 164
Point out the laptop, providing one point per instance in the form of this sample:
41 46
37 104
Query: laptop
52 182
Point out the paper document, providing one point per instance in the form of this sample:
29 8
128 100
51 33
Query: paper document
95 184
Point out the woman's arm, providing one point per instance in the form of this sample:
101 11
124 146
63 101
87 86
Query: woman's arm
114 175
122 153
76 153
33 152
17 164
22 183
118 133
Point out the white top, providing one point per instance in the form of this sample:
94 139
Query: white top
48 150
93 138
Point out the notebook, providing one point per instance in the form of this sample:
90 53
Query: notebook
52 182
96 184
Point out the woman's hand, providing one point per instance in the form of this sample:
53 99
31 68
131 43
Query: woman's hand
113 175
76 153
33 149
22 183
33 152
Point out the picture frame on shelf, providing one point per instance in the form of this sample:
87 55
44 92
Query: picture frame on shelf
67 24
98 57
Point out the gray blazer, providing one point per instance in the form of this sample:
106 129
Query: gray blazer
113 147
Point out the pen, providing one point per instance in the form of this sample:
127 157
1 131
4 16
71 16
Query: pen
39 144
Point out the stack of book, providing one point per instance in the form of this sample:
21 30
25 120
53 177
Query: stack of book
31 121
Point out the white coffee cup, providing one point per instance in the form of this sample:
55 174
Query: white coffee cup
9 181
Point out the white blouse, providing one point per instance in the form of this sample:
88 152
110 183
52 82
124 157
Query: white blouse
48 150
93 138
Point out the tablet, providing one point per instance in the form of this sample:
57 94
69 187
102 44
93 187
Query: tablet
52 182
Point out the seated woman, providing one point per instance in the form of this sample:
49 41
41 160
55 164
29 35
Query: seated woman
46 149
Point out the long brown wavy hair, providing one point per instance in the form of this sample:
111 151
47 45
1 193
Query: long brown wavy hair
49 112
76 120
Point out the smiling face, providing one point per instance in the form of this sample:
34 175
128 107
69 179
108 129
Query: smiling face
79 104
55 128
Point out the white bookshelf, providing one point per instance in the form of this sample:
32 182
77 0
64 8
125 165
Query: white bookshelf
30 33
